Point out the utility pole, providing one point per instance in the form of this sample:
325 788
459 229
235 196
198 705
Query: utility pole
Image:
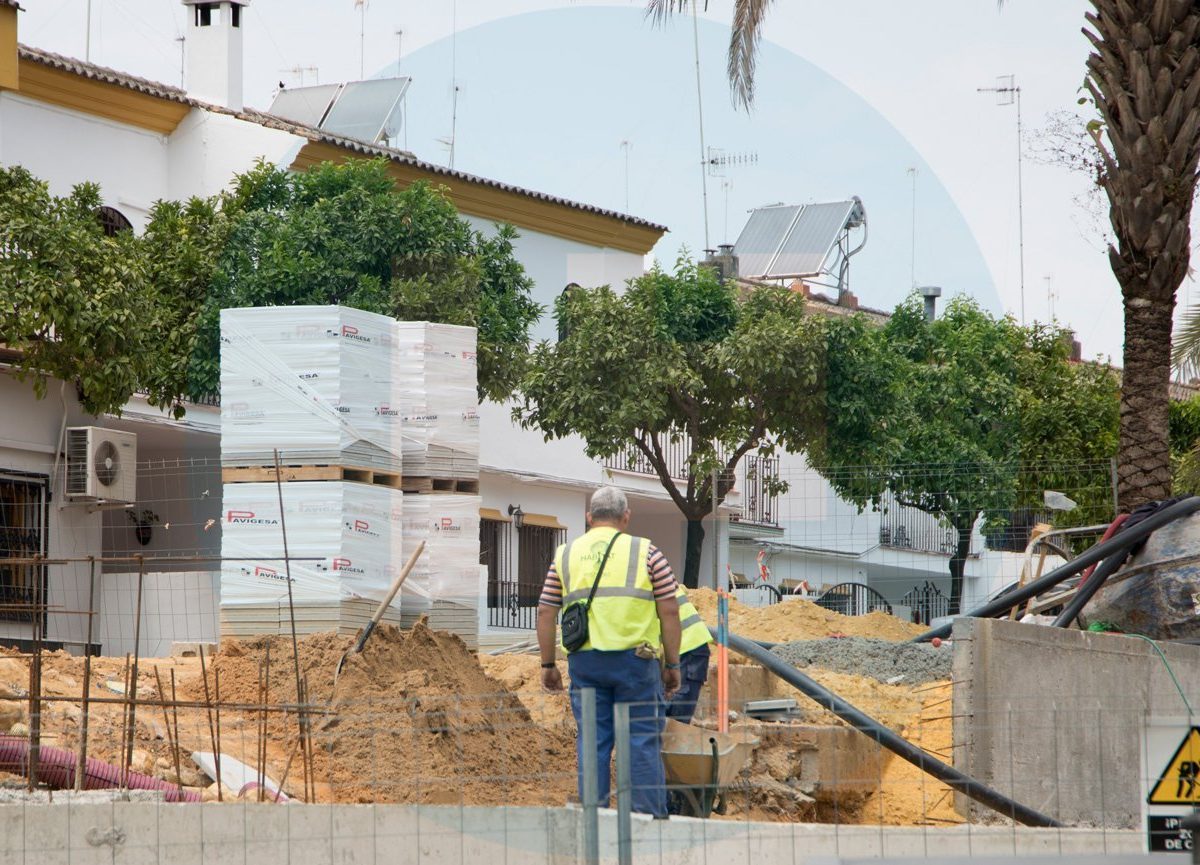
399 49
700 116
1007 93
181 40
87 38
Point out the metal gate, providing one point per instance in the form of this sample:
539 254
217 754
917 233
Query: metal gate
853 599
24 531
927 602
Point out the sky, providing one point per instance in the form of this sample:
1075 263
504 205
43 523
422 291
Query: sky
851 95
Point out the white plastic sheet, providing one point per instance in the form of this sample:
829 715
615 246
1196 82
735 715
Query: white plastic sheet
435 368
351 530
316 382
449 568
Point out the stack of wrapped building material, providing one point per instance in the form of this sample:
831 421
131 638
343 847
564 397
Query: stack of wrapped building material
436 372
344 542
359 406
315 382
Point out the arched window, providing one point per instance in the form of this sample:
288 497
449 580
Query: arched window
112 221
564 327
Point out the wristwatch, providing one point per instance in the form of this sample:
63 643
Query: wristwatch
672 666
549 666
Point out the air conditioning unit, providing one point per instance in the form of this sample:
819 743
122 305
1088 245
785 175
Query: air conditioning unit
101 464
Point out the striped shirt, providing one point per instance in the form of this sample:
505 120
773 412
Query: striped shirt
662 580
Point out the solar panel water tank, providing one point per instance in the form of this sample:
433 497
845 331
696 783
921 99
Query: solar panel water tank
795 241
367 111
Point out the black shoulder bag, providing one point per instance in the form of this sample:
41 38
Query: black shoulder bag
575 617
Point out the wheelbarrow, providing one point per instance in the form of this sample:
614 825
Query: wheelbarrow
701 765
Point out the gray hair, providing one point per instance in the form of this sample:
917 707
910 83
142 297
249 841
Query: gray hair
608 503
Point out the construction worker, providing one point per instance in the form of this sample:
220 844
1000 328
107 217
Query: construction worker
629 591
693 660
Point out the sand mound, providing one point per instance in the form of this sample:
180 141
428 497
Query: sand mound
798 619
414 718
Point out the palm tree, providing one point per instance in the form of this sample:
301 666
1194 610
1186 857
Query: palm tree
1143 76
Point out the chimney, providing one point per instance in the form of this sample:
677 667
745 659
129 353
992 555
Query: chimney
847 299
214 51
8 45
1074 346
931 293
723 261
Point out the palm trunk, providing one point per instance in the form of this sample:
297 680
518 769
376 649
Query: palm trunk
1144 466
1144 76
692 553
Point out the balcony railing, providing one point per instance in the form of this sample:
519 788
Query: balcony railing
760 505
907 528
675 455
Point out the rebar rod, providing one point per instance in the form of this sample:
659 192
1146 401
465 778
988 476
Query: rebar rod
87 680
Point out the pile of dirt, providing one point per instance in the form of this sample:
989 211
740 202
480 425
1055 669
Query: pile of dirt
798 619
60 721
522 674
915 663
907 796
413 718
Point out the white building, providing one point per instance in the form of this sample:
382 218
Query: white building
67 122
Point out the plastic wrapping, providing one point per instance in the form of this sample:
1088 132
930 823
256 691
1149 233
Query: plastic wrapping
353 531
434 366
449 525
316 382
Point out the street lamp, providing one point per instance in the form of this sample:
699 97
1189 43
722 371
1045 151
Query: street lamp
518 516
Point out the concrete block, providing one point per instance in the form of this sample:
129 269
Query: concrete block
1054 717
396 830
440 834
271 823
142 823
222 824
48 831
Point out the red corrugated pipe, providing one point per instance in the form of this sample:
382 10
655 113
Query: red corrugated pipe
56 768
1108 533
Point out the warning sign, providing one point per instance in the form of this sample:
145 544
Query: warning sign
1179 782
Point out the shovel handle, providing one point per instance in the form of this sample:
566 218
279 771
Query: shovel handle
383 605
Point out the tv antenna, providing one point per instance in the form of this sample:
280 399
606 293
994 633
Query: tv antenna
717 160
1007 93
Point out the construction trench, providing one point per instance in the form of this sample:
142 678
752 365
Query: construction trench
892 725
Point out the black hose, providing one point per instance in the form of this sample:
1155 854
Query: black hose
895 743
1085 592
1121 542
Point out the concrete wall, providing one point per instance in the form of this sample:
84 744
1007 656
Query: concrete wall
1054 717
139 832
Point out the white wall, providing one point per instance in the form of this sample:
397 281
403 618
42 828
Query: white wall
65 147
553 262
28 437
206 150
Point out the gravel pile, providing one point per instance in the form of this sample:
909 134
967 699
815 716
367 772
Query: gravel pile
880 659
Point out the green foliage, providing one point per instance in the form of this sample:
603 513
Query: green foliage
1185 445
680 358
74 299
343 234
970 415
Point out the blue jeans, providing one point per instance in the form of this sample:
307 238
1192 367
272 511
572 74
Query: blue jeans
693 673
622 677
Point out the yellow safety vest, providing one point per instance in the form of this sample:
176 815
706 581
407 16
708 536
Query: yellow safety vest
623 614
695 632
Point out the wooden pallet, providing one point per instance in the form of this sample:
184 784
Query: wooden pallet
440 485
266 474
